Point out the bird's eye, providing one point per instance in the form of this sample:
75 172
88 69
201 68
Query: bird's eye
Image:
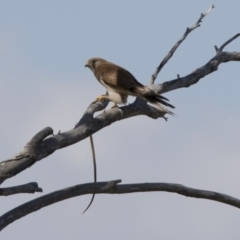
93 62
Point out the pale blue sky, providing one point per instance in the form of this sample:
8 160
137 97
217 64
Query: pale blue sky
43 48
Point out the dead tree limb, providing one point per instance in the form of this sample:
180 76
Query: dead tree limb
45 143
174 48
110 188
25 188
42 145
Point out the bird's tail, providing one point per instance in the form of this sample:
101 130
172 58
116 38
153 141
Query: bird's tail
162 108
155 99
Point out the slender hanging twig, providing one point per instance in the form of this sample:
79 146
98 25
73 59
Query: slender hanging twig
94 170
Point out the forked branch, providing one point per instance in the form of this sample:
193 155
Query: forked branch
42 145
199 73
170 54
219 50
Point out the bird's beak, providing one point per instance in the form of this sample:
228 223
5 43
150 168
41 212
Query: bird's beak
87 65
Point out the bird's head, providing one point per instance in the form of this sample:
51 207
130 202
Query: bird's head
93 62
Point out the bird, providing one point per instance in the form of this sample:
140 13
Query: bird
120 83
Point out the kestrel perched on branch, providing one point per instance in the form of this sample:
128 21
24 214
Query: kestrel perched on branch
120 83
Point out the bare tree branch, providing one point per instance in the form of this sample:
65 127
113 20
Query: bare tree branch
170 54
110 188
25 188
88 125
45 143
219 50
40 147
199 73
42 144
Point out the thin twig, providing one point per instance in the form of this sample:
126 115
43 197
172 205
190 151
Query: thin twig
170 54
94 170
219 50
25 188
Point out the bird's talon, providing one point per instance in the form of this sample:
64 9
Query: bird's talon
101 98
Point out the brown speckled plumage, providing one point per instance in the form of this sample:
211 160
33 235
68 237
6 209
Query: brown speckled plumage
120 83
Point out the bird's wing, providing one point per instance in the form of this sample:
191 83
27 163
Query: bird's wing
117 77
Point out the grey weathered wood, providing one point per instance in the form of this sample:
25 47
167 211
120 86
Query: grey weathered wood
174 48
110 188
199 73
25 188
42 144
41 147
45 143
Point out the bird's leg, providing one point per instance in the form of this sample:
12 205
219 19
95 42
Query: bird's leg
114 105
